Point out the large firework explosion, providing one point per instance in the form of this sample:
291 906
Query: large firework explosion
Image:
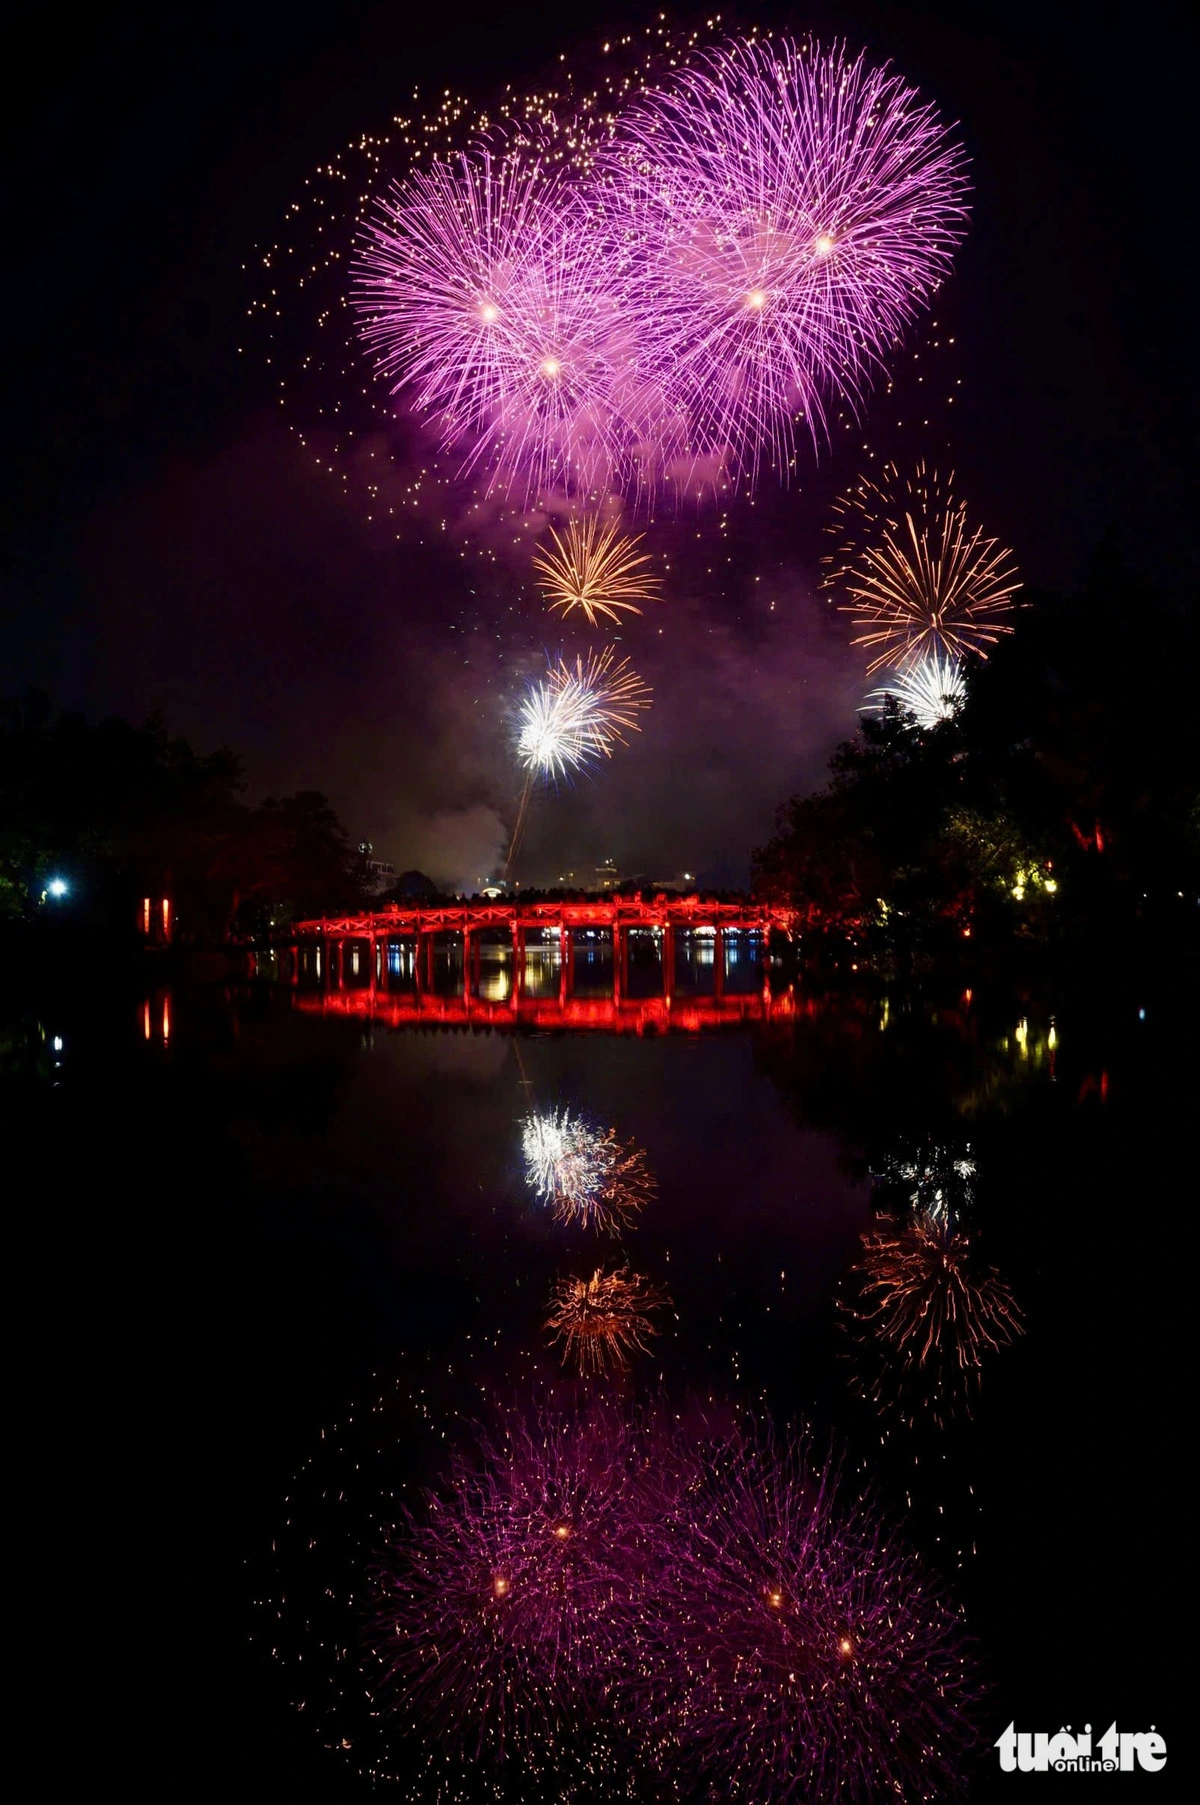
601 1320
486 293
586 1174
588 1601
925 1315
921 581
596 569
680 267
930 690
935 1180
787 212
324 279
505 1604
801 1652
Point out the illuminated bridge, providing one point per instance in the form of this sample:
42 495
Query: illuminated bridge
618 963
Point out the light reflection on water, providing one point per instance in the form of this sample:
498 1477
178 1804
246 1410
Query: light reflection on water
691 964
332 1193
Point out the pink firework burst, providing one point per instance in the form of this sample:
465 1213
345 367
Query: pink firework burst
802 1652
486 289
504 1607
787 212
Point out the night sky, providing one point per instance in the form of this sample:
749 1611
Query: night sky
170 544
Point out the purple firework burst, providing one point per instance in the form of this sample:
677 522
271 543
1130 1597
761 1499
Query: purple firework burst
801 1652
788 210
486 288
505 1608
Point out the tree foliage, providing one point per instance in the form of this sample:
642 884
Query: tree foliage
120 811
1060 800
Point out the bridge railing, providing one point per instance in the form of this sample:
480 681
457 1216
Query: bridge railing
614 914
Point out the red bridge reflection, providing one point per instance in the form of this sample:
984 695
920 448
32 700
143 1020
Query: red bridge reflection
620 1015
618 964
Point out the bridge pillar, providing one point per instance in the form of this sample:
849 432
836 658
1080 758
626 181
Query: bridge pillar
566 962
466 959
518 961
719 963
430 951
667 944
618 987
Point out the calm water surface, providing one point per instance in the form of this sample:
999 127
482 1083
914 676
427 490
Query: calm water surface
255 1206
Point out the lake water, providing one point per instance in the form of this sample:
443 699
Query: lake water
254 1209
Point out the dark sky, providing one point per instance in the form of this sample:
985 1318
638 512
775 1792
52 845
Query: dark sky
169 543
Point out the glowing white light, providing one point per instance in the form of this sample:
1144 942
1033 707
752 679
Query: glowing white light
757 298
551 367
57 887
824 244
489 313
931 690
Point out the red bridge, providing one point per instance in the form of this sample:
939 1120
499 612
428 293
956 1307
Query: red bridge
385 965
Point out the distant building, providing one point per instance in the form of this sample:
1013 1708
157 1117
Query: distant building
379 874
601 877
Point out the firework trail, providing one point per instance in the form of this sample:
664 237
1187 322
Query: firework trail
801 1652
930 690
787 212
925 1316
921 581
572 718
597 569
504 1605
601 1320
586 1174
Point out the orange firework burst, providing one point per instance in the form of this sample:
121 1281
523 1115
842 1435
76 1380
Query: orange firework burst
597 569
607 1187
601 1319
920 579
932 1312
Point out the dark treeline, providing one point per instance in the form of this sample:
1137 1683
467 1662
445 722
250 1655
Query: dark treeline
115 812
1060 807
